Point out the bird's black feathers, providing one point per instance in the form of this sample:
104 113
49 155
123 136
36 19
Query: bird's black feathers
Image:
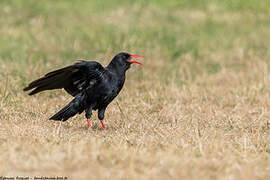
77 105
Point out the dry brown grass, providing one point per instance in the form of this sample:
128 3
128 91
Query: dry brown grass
178 117
213 128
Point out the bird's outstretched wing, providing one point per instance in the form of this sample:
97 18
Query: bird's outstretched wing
73 79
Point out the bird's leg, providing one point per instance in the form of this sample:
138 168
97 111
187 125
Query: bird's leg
101 117
88 114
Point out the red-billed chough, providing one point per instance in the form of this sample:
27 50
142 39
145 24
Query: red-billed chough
92 85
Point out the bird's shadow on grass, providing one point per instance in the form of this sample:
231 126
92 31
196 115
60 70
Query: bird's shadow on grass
92 128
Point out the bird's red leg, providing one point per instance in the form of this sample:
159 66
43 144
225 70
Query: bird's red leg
103 125
88 122
88 113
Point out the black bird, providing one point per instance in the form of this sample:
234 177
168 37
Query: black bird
92 85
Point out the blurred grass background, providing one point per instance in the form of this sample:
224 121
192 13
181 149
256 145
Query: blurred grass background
59 31
206 72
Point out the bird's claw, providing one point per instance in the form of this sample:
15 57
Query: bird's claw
102 123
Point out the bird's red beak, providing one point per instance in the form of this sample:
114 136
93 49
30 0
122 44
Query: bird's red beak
135 56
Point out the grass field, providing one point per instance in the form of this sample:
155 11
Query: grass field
199 108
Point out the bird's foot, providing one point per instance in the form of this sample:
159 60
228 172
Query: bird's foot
89 123
103 125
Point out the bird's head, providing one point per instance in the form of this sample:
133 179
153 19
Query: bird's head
123 60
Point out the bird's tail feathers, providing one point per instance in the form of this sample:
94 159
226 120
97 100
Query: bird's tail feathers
74 107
